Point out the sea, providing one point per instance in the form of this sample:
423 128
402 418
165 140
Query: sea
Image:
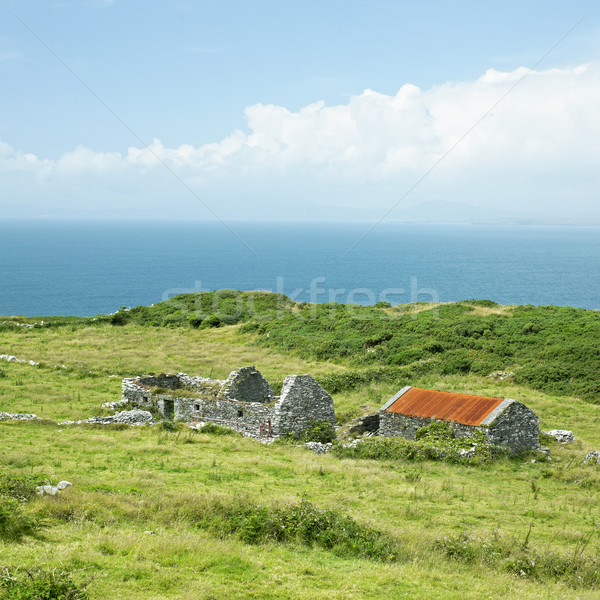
85 268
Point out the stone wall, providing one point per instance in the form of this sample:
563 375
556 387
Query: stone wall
396 424
247 385
302 401
517 426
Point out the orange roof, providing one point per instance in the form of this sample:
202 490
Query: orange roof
461 408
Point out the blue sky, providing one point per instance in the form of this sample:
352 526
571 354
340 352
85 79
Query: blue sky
323 110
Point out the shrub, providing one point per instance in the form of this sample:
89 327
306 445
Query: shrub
319 431
210 321
434 442
39 584
14 523
383 304
167 426
20 487
214 429
306 524
119 318
575 569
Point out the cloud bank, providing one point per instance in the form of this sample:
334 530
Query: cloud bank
536 152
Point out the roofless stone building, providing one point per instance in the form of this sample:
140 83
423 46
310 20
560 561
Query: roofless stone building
244 401
505 422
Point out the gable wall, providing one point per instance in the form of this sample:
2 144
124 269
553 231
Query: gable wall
517 427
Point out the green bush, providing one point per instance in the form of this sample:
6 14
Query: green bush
20 487
575 569
14 523
119 318
214 429
434 442
302 523
210 321
39 584
319 431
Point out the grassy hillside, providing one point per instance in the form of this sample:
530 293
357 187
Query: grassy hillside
173 514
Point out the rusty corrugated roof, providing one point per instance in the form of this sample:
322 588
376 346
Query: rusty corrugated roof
448 406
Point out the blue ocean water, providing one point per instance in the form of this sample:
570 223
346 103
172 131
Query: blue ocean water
87 268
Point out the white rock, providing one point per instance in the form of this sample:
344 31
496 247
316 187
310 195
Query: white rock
63 485
130 417
591 456
46 490
564 436
17 417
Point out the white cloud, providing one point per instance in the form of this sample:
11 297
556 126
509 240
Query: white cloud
538 145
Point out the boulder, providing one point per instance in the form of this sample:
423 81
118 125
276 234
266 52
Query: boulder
593 456
564 436
52 490
47 490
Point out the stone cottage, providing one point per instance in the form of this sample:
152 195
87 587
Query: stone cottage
244 401
505 422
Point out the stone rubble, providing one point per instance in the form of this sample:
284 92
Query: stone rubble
353 443
501 375
318 447
52 490
26 325
17 417
115 405
9 358
130 417
594 455
564 436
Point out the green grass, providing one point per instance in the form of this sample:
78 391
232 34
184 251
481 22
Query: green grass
128 482
176 514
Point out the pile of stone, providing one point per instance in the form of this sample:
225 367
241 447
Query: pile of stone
501 375
353 443
592 456
52 490
563 436
129 417
115 405
318 447
17 417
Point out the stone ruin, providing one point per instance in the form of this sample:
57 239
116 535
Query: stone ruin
244 401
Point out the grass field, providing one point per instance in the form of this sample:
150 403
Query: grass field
140 520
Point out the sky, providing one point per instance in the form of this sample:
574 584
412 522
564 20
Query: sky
332 110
